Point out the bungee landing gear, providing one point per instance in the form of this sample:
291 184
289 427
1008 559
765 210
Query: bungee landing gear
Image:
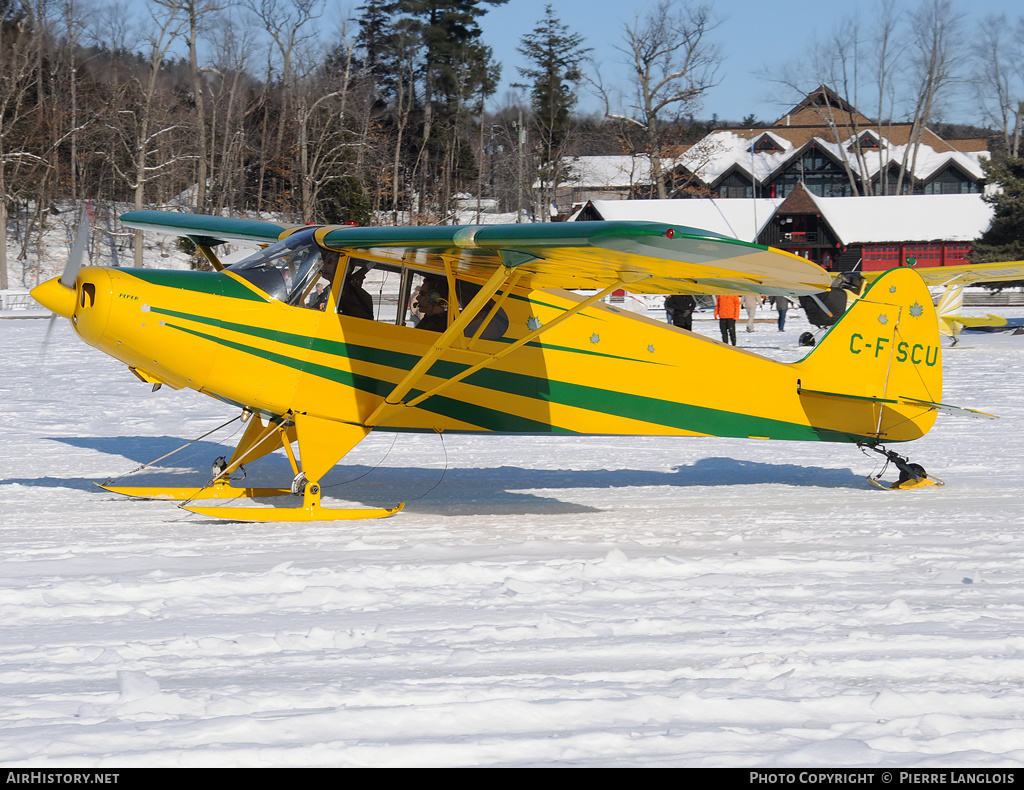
911 475
322 443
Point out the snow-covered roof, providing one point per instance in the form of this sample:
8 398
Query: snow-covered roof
857 220
739 218
607 171
719 152
722 151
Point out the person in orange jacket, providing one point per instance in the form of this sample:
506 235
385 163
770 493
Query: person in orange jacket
727 310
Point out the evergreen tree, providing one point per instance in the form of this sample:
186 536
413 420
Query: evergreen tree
376 33
457 67
1004 240
451 39
556 54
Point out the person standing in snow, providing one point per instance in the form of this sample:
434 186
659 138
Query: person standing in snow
750 302
680 308
782 305
727 310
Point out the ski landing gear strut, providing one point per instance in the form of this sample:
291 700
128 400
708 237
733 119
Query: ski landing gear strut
322 443
911 475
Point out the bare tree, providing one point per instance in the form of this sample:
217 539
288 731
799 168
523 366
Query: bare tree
230 87
999 75
195 14
886 59
846 61
930 65
320 114
73 26
938 53
839 62
140 120
287 22
18 52
673 65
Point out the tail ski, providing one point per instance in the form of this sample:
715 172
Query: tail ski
876 375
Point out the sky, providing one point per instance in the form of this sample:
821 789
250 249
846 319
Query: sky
752 35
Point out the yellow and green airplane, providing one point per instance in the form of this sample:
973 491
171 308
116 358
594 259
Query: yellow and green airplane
953 279
478 329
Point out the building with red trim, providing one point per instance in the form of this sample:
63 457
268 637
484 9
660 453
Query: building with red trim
837 233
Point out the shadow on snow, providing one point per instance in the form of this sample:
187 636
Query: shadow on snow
483 491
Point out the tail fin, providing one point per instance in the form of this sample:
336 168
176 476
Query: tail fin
877 374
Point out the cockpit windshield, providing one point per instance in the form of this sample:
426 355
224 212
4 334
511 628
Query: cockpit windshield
286 270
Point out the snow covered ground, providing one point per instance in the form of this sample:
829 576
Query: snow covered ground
543 601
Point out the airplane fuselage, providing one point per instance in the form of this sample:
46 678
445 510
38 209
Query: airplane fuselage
603 371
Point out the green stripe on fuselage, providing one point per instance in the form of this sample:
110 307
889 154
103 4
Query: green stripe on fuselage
656 411
487 419
213 283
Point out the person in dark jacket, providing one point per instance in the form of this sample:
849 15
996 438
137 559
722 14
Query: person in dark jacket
355 300
430 303
680 308
782 305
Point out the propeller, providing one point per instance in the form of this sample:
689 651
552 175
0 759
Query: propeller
74 264
60 299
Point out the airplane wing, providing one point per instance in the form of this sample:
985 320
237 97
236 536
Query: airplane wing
651 257
204 229
965 274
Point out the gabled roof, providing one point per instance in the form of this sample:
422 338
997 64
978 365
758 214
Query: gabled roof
903 218
819 103
971 144
823 118
732 149
834 125
738 218
799 201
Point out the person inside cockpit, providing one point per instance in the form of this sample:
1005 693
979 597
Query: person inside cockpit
355 301
322 293
431 304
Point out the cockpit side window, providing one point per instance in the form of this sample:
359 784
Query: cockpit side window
354 300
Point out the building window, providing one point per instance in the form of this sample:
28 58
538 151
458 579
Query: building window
735 185
951 181
818 173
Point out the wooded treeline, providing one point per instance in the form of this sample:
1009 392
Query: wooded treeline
283 106
274 106
277 117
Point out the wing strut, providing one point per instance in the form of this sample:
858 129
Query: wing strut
447 339
393 401
210 255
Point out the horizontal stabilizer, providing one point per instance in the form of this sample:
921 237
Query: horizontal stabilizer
956 411
970 320
844 396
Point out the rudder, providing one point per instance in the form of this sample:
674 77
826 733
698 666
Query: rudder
876 370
